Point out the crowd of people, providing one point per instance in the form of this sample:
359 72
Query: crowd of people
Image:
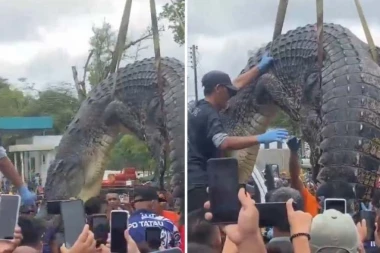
148 209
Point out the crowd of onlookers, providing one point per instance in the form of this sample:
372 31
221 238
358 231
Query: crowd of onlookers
310 227
148 205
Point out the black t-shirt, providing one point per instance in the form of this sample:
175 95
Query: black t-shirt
203 124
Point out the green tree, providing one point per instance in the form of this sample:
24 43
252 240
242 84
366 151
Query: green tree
57 102
130 152
175 13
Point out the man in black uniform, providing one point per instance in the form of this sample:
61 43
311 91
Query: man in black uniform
206 136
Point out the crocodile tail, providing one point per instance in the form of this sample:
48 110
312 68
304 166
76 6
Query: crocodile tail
174 101
350 132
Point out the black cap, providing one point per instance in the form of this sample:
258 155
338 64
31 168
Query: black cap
215 77
145 193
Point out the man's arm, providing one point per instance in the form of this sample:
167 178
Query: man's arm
246 78
224 142
294 165
8 170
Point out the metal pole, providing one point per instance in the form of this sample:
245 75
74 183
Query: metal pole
194 56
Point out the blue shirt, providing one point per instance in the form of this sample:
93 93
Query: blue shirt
142 219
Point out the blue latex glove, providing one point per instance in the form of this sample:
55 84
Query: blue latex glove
27 197
294 144
270 233
265 63
273 135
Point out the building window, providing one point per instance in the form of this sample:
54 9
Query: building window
266 145
43 159
279 145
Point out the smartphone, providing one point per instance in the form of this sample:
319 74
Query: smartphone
153 237
53 207
273 214
119 223
74 220
9 211
223 188
370 218
100 227
337 204
172 250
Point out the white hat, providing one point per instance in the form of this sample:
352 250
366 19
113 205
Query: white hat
333 230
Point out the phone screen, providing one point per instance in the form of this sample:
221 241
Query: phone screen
337 204
9 210
153 237
73 217
273 214
119 223
100 228
370 218
223 189
53 207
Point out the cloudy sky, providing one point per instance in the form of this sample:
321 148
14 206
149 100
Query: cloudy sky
225 30
42 39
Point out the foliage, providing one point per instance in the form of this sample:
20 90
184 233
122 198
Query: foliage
130 152
102 43
175 13
282 120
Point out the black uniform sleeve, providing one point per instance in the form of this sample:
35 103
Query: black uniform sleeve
215 130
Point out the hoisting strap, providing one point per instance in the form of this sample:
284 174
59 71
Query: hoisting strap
366 31
280 18
320 37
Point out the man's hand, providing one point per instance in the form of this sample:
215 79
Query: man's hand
84 244
273 135
362 230
299 221
27 197
8 246
265 63
294 144
247 226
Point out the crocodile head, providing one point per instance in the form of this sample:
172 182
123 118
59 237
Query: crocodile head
78 168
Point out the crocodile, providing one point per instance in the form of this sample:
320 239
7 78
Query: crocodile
131 106
336 107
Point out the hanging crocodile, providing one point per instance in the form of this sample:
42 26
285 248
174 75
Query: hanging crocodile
79 165
337 109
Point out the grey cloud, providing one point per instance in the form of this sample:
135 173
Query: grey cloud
218 17
19 19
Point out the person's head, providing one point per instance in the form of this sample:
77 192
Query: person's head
333 230
93 206
26 249
218 88
283 194
32 232
197 248
145 197
202 231
337 189
113 200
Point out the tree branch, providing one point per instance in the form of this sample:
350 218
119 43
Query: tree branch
147 35
78 85
86 66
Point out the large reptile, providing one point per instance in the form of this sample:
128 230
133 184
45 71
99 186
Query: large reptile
79 165
338 115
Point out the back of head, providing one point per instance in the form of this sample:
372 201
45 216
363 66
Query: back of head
280 247
283 194
93 206
333 230
32 231
200 230
198 248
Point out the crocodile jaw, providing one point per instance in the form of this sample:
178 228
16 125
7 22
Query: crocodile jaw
257 125
95 165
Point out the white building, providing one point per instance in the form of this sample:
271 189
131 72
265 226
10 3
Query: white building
34 154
